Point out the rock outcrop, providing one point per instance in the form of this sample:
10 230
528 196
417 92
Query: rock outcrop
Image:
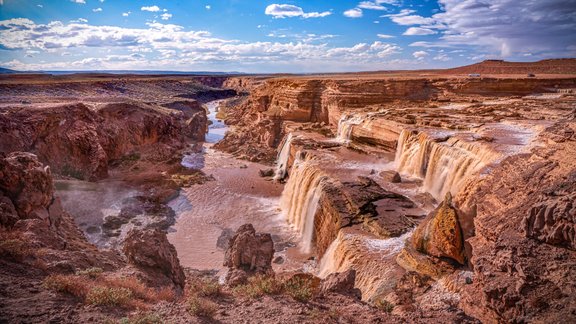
248 253
341 283
439 234
151 251
80 141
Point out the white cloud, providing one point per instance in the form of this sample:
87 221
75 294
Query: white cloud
79 1
97 10
289 11
39 6
385 36
79 20
126 14
420 54
419 31
150 8
166 16
371 5
442 57
353 13
208 7
169 46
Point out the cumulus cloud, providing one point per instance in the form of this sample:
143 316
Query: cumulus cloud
289 11
420 54
385 36
165 16
503 28
419 31
79 1
208 7
126 14
353 13
79 20
150 8
97 10
171 46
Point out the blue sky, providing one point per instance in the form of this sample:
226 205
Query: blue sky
280 36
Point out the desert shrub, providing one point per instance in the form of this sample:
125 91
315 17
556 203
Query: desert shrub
166 293
205 287
135 286
92 273
260 285
108 296
15 249
384 305
299 288
201 307
70 284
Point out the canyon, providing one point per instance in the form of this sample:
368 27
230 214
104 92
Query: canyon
408 196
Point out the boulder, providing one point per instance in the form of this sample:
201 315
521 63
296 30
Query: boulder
151 251
341 283
440 234
391 176
266 173
249 251
25 188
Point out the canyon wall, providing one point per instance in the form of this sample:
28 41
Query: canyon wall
80 140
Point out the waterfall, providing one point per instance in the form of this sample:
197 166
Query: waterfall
282 160
443 166
345 126
301 196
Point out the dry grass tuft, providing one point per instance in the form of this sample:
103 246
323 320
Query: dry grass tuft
260 285
205 287
107 296
201 307
299 288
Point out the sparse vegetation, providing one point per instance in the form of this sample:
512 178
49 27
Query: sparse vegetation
205 287
299 288
201 307
108 296
384 305
70 171
260 285
92 286
15 249
92 273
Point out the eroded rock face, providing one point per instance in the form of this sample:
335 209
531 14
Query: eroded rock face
439 234
523 263
553 219
248 252
150 249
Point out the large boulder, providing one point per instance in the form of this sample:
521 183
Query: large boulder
151 251
341 283
26 190
248 252
440 234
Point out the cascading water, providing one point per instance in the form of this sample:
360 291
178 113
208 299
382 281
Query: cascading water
282 160
301 197
345 126
443 166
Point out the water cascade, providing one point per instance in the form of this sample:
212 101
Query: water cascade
345 126
443 166
301 196
282 160
373 259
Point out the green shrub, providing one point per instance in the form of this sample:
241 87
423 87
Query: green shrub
384 305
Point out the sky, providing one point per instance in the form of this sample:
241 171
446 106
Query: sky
280 36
